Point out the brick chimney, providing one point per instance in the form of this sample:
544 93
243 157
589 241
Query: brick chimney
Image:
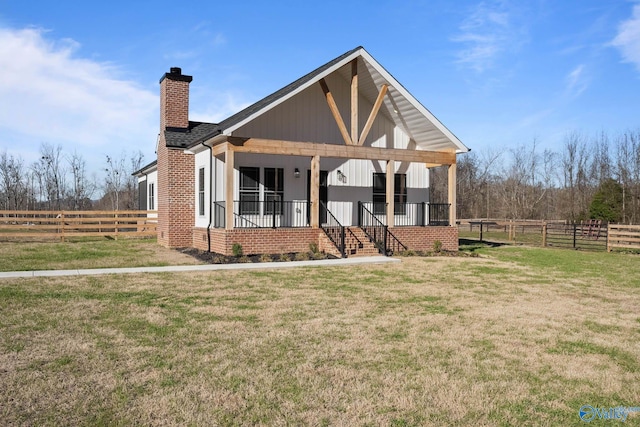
176 169
174 99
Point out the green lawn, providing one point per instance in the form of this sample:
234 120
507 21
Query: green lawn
87 253
516 336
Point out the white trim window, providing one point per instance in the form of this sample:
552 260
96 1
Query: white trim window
152 196
201 208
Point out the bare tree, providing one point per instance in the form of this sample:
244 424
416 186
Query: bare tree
120 186
13 182
82 188
51 172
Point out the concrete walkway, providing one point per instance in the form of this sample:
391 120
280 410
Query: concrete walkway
200 267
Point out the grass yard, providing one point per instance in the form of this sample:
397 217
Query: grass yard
87 253
518 336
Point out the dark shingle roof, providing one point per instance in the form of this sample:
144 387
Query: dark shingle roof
238 117
181 138
193 135
145 169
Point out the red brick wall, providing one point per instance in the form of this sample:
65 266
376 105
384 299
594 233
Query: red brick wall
256 240
176 170
422 238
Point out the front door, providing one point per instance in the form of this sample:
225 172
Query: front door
324 195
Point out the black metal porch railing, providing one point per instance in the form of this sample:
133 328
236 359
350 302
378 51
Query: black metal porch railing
333 229
412 214
439 214
263 214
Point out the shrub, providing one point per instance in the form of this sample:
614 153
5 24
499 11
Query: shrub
236 249
244 259
265 258
313 248
437 246
302 256
284 257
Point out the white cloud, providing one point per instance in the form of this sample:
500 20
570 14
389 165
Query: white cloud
486 33
628 38
576 81
50 94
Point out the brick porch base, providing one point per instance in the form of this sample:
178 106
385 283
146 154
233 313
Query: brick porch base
284 240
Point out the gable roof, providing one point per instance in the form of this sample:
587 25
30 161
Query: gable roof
399 106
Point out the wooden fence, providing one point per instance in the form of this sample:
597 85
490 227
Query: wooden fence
587 235
61 225
623 236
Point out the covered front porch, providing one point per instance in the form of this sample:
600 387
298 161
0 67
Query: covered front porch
257 209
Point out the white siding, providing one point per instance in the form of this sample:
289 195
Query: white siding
306 117
202 160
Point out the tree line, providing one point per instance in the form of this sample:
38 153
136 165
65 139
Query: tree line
60 181
589 177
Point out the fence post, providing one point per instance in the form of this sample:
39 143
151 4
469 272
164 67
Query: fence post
116 224
608 231
544 234
575 229
62 225
481 226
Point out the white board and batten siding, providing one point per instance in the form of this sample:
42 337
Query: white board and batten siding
307 118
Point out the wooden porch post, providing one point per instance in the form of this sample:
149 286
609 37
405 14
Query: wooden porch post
228 183
391 169
315 191
354 101
452 194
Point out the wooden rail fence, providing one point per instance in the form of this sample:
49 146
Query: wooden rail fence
623 236
587 235
60 225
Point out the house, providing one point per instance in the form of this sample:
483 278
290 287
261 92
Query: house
339 158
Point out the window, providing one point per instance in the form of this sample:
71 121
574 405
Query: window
273 190
201 191
400 194
249 191
380 193
152 196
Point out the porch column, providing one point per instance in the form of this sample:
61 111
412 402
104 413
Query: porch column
315 191
391 170
228 183
452 194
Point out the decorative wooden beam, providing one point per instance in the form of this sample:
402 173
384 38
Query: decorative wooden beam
315 192
354 101
228 183
294 148
336 113
391 172
374 113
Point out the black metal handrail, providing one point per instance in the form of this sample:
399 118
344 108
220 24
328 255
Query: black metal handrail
375 230
333 229
378 232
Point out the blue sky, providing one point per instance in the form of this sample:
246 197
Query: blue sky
85 74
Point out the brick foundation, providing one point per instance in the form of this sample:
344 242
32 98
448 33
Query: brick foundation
256 240
283 240
422 238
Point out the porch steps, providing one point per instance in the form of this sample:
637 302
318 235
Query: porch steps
358 244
